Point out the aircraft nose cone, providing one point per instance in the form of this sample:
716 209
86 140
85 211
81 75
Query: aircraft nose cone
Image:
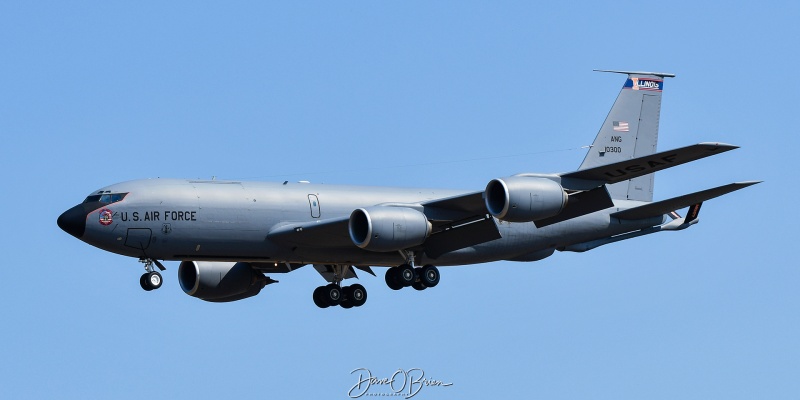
73 221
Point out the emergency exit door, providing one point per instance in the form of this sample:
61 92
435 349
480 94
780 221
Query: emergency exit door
313 202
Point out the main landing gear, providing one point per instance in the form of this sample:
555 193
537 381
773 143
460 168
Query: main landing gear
344 296
151 279
335 294
406 275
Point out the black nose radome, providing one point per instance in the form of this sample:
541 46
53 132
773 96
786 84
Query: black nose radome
73 221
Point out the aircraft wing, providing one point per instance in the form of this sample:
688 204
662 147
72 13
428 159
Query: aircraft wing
665 206
635 167
458 222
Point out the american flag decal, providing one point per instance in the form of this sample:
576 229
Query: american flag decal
620 126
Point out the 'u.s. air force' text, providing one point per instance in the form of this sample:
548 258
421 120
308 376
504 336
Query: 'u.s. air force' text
159 216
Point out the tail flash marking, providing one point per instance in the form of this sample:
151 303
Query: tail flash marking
639 83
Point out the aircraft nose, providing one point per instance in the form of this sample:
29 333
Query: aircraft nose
73 221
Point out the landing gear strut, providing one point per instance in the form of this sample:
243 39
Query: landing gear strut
151 279
335 294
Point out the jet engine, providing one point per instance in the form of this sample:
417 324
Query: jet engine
220 281
388 228
524 199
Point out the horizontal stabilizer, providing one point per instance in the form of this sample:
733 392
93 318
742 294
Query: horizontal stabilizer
665 206
659 74
635 167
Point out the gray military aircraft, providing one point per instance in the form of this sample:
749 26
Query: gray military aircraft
228 234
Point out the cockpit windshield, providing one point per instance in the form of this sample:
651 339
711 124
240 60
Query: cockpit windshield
105 198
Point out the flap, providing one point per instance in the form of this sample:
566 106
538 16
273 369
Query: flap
580 203
456 208
331 232
458 237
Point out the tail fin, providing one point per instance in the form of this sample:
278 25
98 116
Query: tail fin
629 131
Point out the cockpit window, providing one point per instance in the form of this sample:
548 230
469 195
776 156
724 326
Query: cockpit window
112 198
105 198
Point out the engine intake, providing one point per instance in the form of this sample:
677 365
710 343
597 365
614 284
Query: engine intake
388 228
524 199
220 281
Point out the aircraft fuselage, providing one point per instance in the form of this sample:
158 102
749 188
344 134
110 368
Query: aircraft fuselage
172 219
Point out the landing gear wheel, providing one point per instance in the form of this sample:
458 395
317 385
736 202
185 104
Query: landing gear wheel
418 284
405 275
151 280
332 294
429 276
357 295
391 279
347 296
144 284
154 280
319 297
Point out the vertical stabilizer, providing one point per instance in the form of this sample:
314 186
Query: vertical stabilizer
630 130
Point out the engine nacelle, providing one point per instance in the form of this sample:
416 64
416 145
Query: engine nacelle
524 199
388 228
220 281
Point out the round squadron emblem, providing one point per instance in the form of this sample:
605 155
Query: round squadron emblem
105 217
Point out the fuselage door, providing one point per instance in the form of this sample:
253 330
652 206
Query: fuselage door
138 238
313 202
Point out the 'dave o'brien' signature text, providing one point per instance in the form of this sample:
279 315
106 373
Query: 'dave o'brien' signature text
401 383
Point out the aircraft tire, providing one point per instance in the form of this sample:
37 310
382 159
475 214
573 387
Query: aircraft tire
332 294
347 297
429 276
419 286
154 280
357 295
143 283
319 297
347 303
405 275
391 279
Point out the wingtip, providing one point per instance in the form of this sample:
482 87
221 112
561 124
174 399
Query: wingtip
748 183
719 145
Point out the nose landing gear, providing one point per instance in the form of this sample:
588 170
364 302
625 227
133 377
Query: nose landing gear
151 279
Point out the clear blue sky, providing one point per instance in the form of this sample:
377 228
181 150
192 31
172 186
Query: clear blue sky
449 94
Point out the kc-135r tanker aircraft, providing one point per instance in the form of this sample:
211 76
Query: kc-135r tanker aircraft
229 235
